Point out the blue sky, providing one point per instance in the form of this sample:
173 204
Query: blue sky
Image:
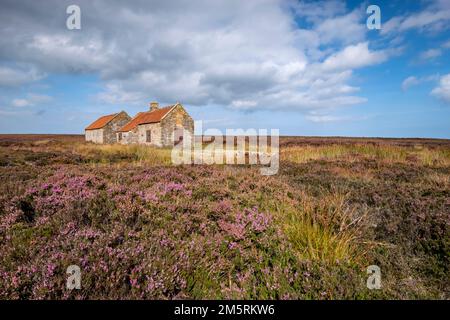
303 67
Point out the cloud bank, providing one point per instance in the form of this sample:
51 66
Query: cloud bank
245 55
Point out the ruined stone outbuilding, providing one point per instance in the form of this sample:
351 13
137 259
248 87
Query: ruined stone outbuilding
103 130
162 127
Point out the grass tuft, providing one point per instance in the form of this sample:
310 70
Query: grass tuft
324 229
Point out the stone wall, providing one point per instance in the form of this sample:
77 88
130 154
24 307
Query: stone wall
178 118
110 130
155 129
122 137
88 135
95 136
128 137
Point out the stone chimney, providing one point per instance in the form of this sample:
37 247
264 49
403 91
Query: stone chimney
154 105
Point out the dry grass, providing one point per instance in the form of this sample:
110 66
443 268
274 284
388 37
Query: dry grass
433 157
324 229
356 175
437 180
135 154
384 153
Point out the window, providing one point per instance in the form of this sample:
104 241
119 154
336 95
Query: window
178 135
148 136
120 136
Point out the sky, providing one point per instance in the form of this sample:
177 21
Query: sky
308 68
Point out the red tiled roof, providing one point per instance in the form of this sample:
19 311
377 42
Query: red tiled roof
146 117
101 122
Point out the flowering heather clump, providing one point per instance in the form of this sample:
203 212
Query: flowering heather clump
140 231
245 222
151 239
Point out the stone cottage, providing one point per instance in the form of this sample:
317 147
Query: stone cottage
162 127
103 130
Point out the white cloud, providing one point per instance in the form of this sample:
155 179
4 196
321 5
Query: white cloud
354 56
115 94
424 19
442 91
430 54
10 77
323 118
436 17
244 104
318 11
31 100
54 51
409 82
414 81
21 103
344 29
